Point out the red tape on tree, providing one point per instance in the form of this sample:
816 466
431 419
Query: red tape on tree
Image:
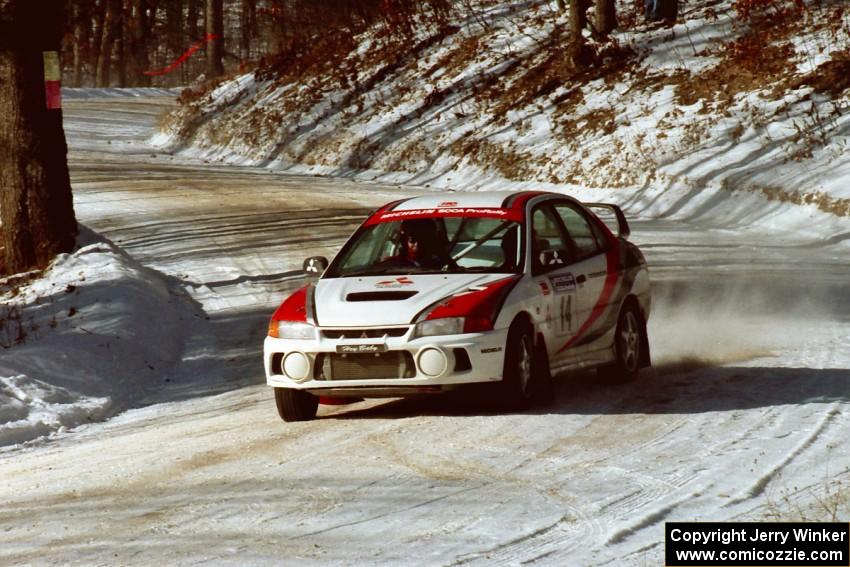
184 57
52 80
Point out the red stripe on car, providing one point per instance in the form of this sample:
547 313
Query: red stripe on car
294 307
523 198
385 208
437 212
613 275
480 307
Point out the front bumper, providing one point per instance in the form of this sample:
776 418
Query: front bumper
388 366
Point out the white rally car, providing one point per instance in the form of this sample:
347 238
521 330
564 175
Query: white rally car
436 292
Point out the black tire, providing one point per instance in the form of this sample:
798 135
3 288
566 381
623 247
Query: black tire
518 386
545 385
295 405
629 340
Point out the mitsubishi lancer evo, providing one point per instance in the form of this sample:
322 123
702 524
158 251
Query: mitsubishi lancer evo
436 292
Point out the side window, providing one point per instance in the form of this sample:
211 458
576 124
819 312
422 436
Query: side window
600 235
546 234
580 231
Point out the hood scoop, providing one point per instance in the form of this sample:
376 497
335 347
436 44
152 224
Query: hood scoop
380 295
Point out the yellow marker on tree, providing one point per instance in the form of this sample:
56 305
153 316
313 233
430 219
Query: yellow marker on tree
52 80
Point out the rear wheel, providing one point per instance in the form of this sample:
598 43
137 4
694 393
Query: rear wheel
295 405
628 341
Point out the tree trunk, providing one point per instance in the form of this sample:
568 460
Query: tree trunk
121 48
137 45
578 19
606 17
104 58
174 31
36 208
97 13
576 50
248 29
192 11
215 47
81 39
191 67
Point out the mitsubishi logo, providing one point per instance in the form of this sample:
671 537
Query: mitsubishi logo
363 335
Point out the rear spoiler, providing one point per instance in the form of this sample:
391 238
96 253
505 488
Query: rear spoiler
623 230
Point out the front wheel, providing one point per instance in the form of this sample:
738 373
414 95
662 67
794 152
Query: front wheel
295 405
518 385
628 341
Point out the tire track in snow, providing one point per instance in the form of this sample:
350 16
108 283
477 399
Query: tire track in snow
812 354
652 489
570 532
582 524
758 487
388 513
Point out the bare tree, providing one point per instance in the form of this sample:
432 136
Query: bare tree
578 20
97 32
606 17
193 34
36 207
111 21
193 9
215 48
121 48
82 28
174 27
577 10
136 38
248 31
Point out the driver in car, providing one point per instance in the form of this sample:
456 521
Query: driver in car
420 245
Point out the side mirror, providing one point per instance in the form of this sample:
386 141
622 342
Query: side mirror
315 265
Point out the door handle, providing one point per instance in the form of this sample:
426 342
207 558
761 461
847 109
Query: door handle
581 278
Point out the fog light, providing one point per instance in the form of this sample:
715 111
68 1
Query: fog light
296 365
432 362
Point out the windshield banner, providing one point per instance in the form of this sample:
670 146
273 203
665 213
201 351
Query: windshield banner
474 212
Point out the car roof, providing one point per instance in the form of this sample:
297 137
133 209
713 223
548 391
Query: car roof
495 204
466 199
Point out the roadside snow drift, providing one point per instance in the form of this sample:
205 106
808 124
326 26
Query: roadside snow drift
90 338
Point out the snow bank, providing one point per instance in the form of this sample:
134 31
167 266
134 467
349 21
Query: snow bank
669 122
92 337
31 408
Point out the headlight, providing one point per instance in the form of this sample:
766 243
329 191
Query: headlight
443 326
292 330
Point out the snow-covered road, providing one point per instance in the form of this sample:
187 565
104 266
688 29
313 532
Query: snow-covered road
745 415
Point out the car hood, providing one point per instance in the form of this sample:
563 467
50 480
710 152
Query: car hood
387 300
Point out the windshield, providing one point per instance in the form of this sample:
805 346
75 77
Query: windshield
431 245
